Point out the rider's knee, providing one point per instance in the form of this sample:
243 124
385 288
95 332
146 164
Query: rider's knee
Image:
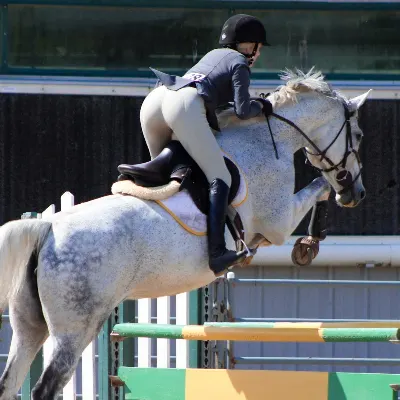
226 177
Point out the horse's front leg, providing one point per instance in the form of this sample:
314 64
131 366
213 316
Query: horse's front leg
318 190
278 221
306 248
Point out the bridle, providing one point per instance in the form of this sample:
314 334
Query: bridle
343 177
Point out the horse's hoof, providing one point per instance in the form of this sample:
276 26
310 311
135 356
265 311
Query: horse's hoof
304 251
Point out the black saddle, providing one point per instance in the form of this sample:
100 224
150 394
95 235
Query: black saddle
174 163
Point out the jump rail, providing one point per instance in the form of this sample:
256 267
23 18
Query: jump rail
280 332
220 384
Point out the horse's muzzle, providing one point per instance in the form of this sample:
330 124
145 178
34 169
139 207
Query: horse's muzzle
353 192
352 198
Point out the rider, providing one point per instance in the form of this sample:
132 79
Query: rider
185 106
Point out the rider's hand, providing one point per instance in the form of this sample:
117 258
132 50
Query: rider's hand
266 106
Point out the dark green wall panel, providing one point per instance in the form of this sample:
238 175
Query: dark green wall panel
50 144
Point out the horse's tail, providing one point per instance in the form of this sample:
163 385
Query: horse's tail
18 240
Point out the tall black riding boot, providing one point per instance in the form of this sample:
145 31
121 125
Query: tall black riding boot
158 170
219 257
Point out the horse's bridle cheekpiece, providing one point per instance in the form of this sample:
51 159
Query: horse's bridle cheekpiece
343 177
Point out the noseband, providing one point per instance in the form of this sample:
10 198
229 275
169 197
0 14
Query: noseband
343 177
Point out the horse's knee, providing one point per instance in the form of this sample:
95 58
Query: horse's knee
325 188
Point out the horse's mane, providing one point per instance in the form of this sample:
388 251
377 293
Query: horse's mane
299 82
296 81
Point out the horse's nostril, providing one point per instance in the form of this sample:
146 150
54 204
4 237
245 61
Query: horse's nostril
341 175
362 194
344 178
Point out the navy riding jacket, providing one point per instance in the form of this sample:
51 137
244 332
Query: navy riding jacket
222 76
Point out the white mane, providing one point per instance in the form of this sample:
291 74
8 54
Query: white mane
295 82
300 82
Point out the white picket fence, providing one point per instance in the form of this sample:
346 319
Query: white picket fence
145 313
144 347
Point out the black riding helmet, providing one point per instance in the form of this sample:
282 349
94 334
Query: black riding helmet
242 28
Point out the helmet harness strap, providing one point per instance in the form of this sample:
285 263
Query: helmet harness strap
250 56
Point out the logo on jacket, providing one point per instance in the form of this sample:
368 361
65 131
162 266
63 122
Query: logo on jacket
194 76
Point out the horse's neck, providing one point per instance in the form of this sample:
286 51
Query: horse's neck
260 140
251 147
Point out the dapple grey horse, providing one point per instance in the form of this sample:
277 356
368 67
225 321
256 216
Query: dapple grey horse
62 277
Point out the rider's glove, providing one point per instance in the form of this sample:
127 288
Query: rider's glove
266 106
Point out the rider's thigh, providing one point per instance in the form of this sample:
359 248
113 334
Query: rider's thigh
185 113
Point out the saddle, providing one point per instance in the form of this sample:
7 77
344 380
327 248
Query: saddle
174 163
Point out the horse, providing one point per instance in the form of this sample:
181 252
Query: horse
61 278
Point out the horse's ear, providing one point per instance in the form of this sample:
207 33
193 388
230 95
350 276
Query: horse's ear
356 102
